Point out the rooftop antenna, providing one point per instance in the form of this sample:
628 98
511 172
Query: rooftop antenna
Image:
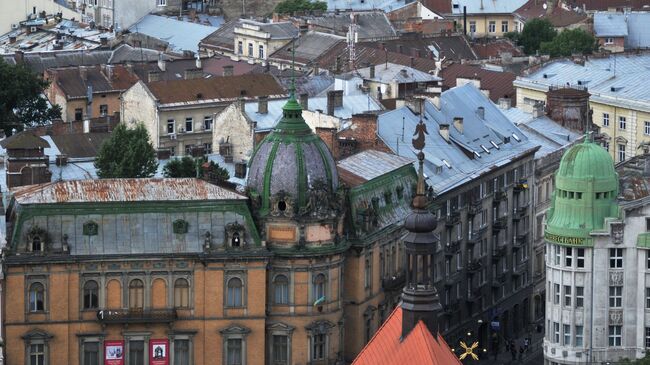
352 39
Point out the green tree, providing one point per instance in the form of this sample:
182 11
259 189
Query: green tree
643 361
535 32
292 6
21 100
214 173
181 167
128 153
569 42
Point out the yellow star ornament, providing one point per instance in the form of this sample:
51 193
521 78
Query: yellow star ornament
469 350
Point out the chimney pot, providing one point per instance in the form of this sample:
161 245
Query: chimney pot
304 101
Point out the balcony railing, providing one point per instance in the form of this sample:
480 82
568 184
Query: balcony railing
394 282
499 251
473 238
452 218
500 223
474 266
475 207
451 248
137 315
519 213
521 239
500 196
499 280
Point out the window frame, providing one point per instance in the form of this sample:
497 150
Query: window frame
136 292
616 261
622 122
615 296
579 334
605 119
492 26
277 285
189 121
614 336
85 291
33 303
567 296
232 301
504 26
580 297
182 293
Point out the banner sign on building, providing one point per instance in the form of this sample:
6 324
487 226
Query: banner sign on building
159 352
113 352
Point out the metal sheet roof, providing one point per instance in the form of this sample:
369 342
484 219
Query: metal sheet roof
491 141
121 190
370 164
610 24
182 36
638 30
389 72
486 6
385 5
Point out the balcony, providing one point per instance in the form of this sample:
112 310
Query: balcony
475 207
451 248
452 218
473 238
394 282
474 266
499 280
475 296
499 196
519 213
137 316
500 223
521 239
499 251
520 186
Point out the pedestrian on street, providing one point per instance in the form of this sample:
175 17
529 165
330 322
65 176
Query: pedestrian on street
526 344
507 344
521 352
513 351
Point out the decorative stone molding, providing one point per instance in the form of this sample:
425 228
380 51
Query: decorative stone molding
90 228
180 226
615 317
282 205
616 278
617 233
235 235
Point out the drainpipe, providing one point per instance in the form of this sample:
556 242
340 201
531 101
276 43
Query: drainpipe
591 325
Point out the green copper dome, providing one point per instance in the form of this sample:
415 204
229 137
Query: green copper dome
291 167
586 190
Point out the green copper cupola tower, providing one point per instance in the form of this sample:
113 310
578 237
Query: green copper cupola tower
586 191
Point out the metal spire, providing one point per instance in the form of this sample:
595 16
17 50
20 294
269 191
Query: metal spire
292 90
420 201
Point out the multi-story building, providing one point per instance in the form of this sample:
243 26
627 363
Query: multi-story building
486 18
618 97
597 260
179 113
121 14
180 270
478 163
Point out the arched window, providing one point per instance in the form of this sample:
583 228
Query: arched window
235 240
281 289
37 245
136 294
91 295
319 287
36 297
234 295
181 293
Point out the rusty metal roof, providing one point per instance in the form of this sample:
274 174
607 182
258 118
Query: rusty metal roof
122 190
368 165
24 140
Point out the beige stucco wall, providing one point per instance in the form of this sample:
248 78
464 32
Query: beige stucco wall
232 125
198 135
257 38
483 22
14 12
138 105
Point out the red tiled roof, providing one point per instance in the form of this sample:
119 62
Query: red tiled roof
590 5
495 48
559 17
498 83
419 347
438 6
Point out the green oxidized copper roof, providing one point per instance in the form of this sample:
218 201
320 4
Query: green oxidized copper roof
291 159
586 190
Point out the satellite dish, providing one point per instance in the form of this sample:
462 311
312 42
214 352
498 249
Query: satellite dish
544 6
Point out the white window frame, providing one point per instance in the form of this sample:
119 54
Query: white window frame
605 119
504 26
567 296
580 258
615 296
579 336
615 258
492 26
566 329
189 121
646 127
622 122
580 297
614 336
161 2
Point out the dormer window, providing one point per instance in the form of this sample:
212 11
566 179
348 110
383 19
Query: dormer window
235 235
37 245
36 240
235 241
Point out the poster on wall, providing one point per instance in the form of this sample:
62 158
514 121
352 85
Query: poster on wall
113 352
159 352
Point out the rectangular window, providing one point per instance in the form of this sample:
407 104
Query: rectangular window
504 26
78 114
567 334
647 337
615 335
240 47
207 123
207 148
580 258
367 273
170 126
568 257
189 124
615 258
318 347
556 293
280 350
459 261
136 352
605 119
646 129
37 354
250 49
162 2
567 295
558 254
622 122
579 336
260 52
472 26
647 298
606 146
615 296
621 152
580 296
181 352
90 353
492 26
609 40
103 110
234 351
556 332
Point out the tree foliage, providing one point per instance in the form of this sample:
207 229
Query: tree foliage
569 42
128 153
214 173
21 100
292 6
181 167
643 361
534 34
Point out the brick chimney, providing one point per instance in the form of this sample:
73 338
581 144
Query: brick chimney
334 100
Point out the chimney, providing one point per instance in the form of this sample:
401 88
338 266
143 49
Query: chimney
382 46
372 71
415 52
83 72
436 102
504 103
129 67
242 104
413 62
103 41
444 131
481 112
161 63
19 57
399 48
153 76
337 67
263 104
228 70
331 101
538 110
198 62
108 70
304 101
458 124
12 39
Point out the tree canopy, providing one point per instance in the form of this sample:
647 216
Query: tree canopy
181 167
128 153
534 34
568 42
21 100
214 173
292 6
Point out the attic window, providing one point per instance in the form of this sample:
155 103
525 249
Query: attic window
456 6
616 88
506 139
438 169
494 144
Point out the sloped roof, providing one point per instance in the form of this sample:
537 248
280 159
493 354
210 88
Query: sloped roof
610 25
638 30
387 347
371 55
122 190
486 6
592 5
495 48
307 47
224 37
214 88
279 30
80 145
370 164
24 140
73 85
370 24
389 72
451 47
498 83
559 16
182 36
